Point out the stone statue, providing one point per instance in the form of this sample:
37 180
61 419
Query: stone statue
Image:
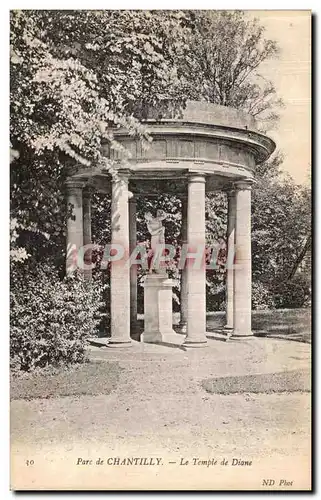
157 232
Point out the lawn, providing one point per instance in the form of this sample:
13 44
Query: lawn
93 378
290 324
267 383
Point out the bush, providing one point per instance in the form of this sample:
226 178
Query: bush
215 291
51 319
261 297
294 293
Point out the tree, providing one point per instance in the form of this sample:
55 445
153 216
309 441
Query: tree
75 75
281 224
89 71
227 49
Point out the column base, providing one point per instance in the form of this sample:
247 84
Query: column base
119 343
228 330
189 344
241 335
151 337
172 338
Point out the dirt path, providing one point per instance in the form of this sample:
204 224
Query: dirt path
160 410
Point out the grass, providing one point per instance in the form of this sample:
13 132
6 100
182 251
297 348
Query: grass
93 378
290 324
291 381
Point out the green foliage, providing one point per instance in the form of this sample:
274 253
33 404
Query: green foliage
226 50
216 228
51 319
281 222
76 75
261 297
58 103
215 291
293 293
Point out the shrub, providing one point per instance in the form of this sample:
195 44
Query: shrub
294 293
261 297
215 291
51 319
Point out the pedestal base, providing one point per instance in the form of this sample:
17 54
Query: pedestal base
161 338
158 310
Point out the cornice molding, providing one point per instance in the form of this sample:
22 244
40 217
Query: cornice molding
75 184
261 145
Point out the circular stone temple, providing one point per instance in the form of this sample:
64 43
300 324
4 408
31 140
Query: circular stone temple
207 148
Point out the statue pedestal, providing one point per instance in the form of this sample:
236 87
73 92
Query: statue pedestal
158 310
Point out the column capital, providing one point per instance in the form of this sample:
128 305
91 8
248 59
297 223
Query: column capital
196 178
229 191
74 183
121 175
244 184
120 181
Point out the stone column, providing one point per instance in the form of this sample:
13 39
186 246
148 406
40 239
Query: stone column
133 268
231 196
182 327
119 274
74 224
196 295
87 230
243 269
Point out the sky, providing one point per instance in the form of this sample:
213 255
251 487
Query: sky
291 74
